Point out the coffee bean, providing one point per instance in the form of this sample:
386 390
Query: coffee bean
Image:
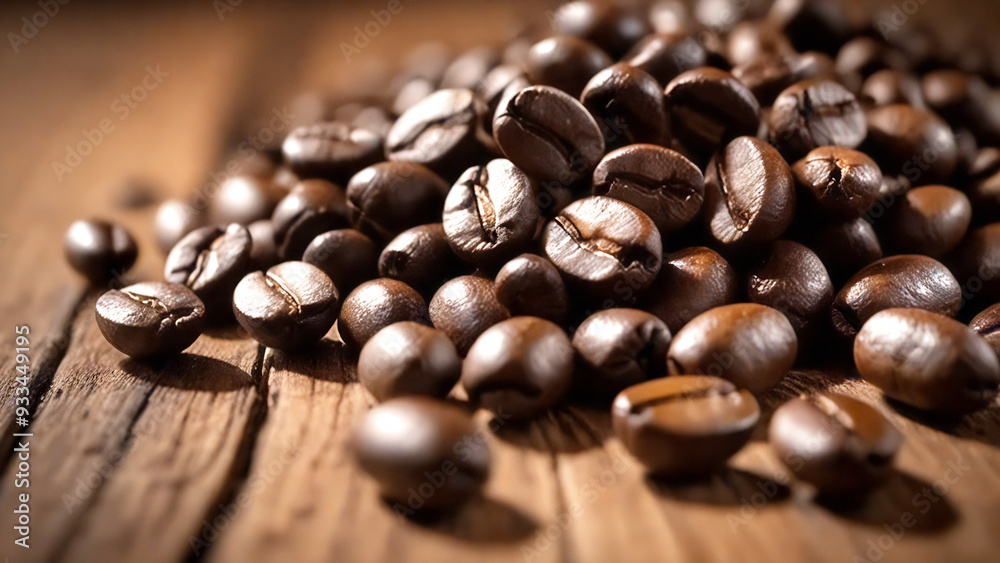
243 200
749 194
887 87
684 424
375 305
100 251
421 258
907 140
531 285
289 307
793 280
618 348
519 367
263 252
313 207
927 360
929 220
841 182
749 344
691 281
330 150
752 41
174 219
439 131
659 182
386 199
464 308
608 259
838 444
976 264
846 247
907 280
408 358
987 325
409 91
566 63
211 261
491 91
665 55
471 68
627 104
708 107
815 113
418 445
811 25
150 319
490 214
346 256
606 24
548 134
769 75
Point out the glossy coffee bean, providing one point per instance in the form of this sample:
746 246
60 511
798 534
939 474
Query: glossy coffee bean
815 113
846 247
464 308
606 24
840 445
375 305
565 63
666 55
288 307
844 183
658 181
330 150
751 41
976 264
770 75
627 104
211 261
386 199
911 141
491 91
928 361
150 319
312 207
928 220
749 194
708 107
617 348
174 219
691 281
520 367
987 325
439 131
887 87
531 285
548 134
408 358
243 199
490 214
684 424
346 256
421 258
100 251
608 259
749 344
907 280
263 252
793 280
424 447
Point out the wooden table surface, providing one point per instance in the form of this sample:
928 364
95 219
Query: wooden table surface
231 452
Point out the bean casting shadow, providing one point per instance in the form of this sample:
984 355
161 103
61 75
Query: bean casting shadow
481 520
562 430
326 361
906 500
795 383
981 426
726 487
189 372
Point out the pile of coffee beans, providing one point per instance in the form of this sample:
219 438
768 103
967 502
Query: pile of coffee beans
661 212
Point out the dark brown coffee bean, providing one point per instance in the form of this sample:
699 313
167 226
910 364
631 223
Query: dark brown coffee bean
211 261
928 220
887 87
666 55
691 281
907 280
749 344
987 325
749 194
768 76
840 181
150 319
976 264
519 368
708 107
464 308
491 91
606 24
263 252
386 199
375 305
627 104
566 63
100 251
531 285
421 258
174 219
347 256
313 207
660 182
243 200
793 280
684 424
439 131
608 259
331 151
812 25
846 247
815 113
618 348
409 358
443 463
911 141
928 361
838 444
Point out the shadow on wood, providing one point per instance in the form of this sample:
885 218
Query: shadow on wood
189 372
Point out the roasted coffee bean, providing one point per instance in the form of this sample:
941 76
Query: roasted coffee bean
312 207
243 200
174 219
211 261
150 319
403 443
768 76
606 24
812 25
660 182
263 252
842 182
838 444
965 100
464 308
627 104
928 361
751 41
386 199
548 134
749 194
684 424
421 258
793 280
289 307
618 348
987 325
609 259
865 56
708 107
566 63
491 91
439 131
490 214
409 358
887 87
691 281
471 68
102 252
375 305
531 285
907 280
928 220
519 368
665 55
409 91
749 344
846 247
815 113
911 141
976 264
347 256
330 150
